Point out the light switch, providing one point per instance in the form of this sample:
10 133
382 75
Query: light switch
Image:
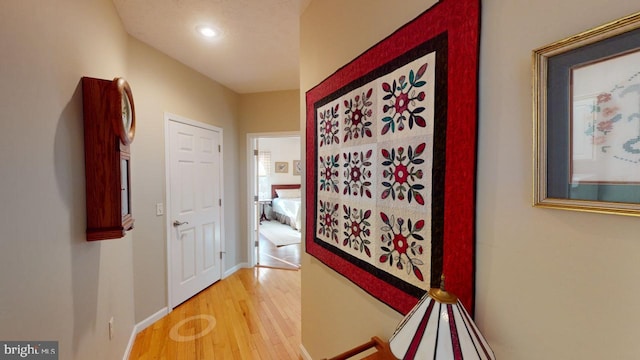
159 209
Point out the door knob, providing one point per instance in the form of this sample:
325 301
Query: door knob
178 223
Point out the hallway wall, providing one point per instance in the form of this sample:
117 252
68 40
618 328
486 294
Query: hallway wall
164 85
54 285
265 112
550 282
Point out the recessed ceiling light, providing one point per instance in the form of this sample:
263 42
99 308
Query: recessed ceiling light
207 31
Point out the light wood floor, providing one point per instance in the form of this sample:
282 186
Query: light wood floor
252 314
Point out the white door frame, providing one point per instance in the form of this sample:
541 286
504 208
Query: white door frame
168 224
251 186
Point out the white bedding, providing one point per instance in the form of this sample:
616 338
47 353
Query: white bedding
288 211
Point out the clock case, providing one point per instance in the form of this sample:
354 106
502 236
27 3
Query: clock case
107 157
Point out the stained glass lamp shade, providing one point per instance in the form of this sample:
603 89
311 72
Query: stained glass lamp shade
439 327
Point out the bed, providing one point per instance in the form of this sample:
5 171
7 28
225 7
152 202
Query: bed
285 204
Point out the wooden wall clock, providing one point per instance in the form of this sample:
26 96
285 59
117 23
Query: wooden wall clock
109 128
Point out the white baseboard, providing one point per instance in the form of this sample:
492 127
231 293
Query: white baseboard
164 311
141 326
132 340
151 319
234 269
304 353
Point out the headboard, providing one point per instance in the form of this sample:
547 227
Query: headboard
282 186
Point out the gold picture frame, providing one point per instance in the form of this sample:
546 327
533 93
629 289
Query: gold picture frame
586 97
282 167
297 167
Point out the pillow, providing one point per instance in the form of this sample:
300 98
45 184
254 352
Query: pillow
289 193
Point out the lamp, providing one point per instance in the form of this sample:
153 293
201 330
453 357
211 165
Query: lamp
439 327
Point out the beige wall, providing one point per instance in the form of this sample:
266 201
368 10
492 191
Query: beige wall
161 84
53 284
260 113
274 111
558 283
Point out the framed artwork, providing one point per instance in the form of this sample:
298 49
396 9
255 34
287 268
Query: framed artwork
587 120
282 167
297 167
390 160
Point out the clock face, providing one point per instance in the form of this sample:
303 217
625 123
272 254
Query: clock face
126 112
126 118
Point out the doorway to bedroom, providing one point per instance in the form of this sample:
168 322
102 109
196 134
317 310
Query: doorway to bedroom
274 183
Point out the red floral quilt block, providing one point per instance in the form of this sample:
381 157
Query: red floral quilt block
381 205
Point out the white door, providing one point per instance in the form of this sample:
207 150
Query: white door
195 209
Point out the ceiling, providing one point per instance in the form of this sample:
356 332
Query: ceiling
256 51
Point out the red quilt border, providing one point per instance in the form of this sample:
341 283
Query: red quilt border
461 20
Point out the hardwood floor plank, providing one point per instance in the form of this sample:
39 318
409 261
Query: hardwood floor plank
257 316
284 257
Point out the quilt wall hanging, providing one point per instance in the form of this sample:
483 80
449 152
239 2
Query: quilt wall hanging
391 139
